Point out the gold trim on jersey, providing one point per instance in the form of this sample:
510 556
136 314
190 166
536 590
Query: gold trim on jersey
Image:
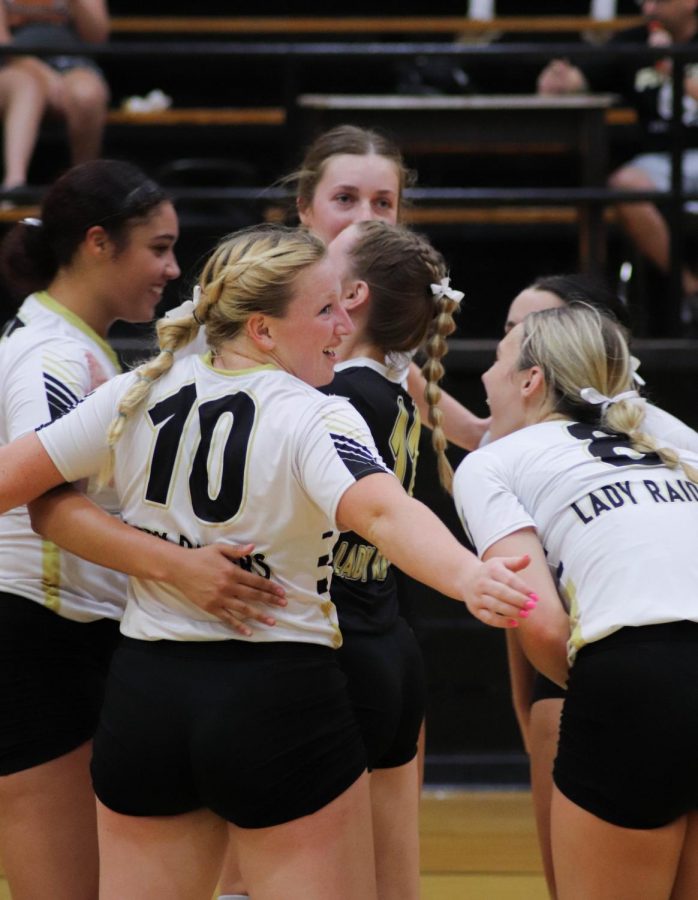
49 302
51 575
207 360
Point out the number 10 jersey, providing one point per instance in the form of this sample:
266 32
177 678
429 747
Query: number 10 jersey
253 456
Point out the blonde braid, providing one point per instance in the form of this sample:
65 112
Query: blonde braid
436 347
251 270
578 347
626 417
172 334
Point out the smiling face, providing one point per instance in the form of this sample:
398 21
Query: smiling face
503 385
137 274
352 189
305 339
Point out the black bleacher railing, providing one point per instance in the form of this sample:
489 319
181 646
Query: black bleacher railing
288 58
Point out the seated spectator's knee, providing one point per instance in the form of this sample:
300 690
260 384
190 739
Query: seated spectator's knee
86 95
629 178
24 80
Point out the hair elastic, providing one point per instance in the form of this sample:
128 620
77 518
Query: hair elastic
591 395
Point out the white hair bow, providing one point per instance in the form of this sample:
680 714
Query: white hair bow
188 308
444 289
591 395
634 366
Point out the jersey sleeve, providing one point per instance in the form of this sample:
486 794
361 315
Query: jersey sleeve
334 451
77 441
43 382
667 429
486 504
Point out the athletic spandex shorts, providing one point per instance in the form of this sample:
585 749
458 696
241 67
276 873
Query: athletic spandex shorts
386 684
628 750
545 689
52 676
259 733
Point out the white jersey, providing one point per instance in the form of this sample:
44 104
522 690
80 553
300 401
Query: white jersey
255 456
669 430
50 359
618 527
672 431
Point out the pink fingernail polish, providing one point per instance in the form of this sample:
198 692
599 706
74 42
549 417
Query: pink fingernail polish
534 597
512 623
530 604
523 614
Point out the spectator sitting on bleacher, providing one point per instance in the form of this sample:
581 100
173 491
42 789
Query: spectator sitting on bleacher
649 90
71 87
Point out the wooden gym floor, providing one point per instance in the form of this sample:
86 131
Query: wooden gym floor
480 845
476 845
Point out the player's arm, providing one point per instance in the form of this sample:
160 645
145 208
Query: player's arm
207 576
407 533
461 427
5 36
26 472
544 634
91 19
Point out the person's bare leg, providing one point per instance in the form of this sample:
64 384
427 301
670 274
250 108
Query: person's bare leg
48 830
646 226
23 100
327 854
85 101
177 857
642 222
686 884
395 810
421 755
594 859
543 734
231 877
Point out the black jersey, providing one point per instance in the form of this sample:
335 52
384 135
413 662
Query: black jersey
364 588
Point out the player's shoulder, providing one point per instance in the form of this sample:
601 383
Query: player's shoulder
525 448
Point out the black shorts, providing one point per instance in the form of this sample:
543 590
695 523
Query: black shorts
545 689
628 750
386 683
259 733
52 677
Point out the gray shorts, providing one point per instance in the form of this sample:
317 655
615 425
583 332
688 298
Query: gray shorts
658 167
62 36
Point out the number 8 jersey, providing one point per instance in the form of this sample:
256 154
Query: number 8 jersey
253 456
618 527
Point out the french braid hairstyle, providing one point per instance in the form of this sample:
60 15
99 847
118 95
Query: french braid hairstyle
250 271
578 347
399 266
